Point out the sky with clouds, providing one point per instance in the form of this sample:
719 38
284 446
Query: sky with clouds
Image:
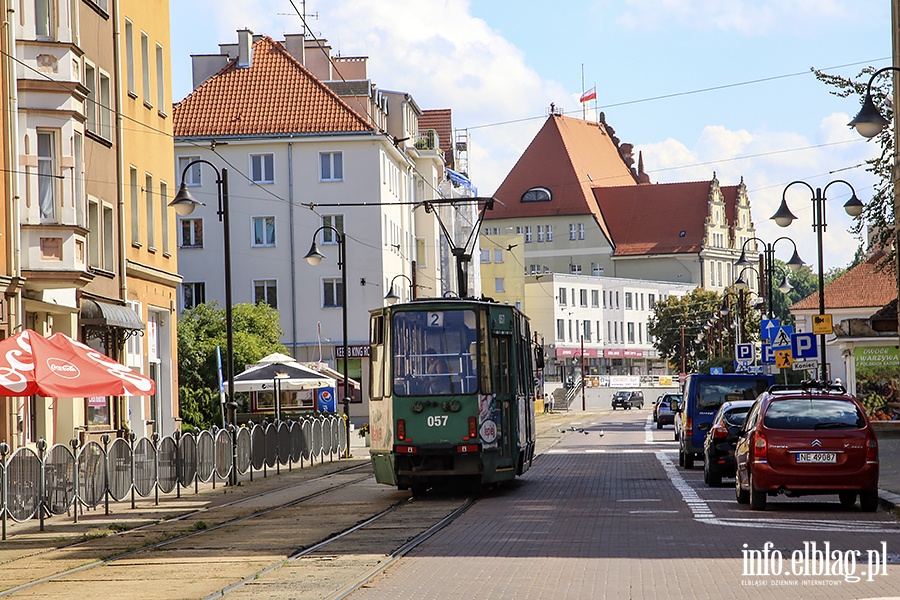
698 86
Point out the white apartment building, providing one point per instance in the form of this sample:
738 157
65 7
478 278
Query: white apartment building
603 319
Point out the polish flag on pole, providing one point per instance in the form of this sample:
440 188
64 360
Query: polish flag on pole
591 94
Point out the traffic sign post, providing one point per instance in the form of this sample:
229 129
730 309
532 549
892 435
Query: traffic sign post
782 339
768 328
768 354
745 352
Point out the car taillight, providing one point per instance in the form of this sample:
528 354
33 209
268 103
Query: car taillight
760 448
473 428
401 429
871 448
719 433
688 427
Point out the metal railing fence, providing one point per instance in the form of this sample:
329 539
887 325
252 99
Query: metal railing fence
40 482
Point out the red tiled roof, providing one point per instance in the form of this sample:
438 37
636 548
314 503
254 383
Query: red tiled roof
441 121
865 285
568 156
275 95
660 218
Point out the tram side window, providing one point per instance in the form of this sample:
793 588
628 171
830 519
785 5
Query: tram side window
435 352
376 361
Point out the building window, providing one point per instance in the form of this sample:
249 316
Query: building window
47 175
549 232
499 285
581 231
191 233
134 191
194 293
265 291
262 168
43 18
540 233
595 299
596 270
331 166
332 293
164 214
528 233
90 100
572 231
263 231
78 176
485 256
94 234
335 221
586 328
560 330
628 304
630 333
583 296
537 194
129 56
109 239
105 108
160 80
145 66
562 297
148 202
575 269
498 255
192 176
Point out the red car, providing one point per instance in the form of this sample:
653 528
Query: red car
813 439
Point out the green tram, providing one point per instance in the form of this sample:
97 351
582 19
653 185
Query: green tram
452 393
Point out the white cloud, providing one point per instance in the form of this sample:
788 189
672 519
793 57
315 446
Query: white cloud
768 162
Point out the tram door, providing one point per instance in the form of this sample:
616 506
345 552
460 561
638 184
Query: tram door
505 387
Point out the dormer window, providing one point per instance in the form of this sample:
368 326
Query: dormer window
537 194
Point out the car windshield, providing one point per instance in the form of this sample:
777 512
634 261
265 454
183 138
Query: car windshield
622 394
813 413
736 416
712 393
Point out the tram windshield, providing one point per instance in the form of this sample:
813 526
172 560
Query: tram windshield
435 352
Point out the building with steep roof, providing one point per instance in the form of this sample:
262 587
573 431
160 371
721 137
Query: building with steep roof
310 146
584 208
857 301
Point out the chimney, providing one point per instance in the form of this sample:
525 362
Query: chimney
245 49
295 44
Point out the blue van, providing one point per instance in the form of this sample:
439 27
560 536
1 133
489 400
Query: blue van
702 397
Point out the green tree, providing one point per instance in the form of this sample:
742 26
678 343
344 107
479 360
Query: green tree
878 213
678 320
256 333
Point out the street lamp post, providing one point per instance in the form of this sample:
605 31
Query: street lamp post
314 257
768 267
784 217
393 298
184 204
870 122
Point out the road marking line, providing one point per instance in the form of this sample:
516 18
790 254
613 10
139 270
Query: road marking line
703 514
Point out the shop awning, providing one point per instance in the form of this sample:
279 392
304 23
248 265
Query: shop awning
104 314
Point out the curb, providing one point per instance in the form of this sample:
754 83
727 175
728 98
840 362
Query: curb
889 500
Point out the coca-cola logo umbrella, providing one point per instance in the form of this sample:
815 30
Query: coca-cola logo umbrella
60 367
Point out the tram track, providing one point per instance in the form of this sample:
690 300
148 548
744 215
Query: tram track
225 515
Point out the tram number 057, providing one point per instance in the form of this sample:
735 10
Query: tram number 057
437 421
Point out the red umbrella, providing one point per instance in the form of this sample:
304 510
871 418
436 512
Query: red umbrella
60 367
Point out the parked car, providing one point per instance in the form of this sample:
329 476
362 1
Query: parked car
702 397
812 440
628 399
721 436
662 409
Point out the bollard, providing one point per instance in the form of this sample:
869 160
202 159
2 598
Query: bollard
4 452
155 439
42 447
74 443
104 439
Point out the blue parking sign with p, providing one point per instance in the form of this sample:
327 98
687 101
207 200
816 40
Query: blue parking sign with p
803 346
745 352
768 354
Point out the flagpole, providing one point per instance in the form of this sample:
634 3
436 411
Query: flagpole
583 109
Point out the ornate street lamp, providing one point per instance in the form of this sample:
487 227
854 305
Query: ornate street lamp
391 297
184 204
314 257
784 217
